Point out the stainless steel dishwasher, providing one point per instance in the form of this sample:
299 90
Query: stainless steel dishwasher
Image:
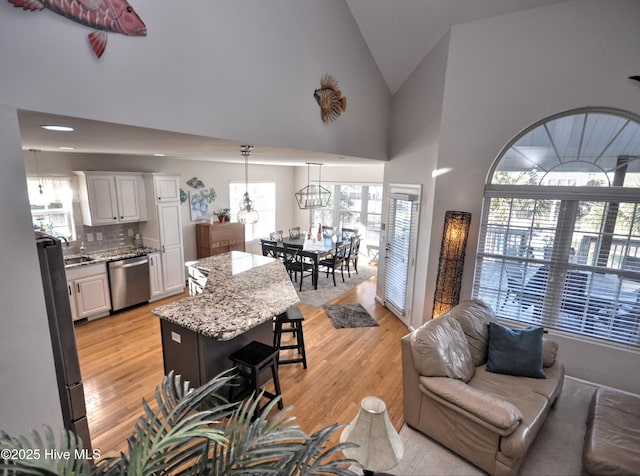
129 282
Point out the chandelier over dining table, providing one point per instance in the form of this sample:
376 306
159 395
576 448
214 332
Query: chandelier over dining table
314 195
247 215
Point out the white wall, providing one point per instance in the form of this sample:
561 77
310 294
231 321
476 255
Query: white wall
505 73
28 393
417 109
243 70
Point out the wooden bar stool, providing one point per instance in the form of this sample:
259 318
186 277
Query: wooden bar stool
290 321
253 362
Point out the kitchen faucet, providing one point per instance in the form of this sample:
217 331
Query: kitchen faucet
65 240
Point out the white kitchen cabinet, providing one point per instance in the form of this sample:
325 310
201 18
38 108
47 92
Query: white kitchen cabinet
108 198
155 276
163 229
88 291
166 188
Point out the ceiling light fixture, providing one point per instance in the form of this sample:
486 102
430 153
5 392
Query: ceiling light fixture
158 154
65 147
313 195
57 128
247 215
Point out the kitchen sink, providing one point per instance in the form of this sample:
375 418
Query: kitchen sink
77 259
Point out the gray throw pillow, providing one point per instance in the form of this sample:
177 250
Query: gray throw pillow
516 352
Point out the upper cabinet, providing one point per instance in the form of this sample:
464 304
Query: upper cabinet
108 198
166 188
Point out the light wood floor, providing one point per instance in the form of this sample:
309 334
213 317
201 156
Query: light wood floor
121 362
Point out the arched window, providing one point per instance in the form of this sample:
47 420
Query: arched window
559 240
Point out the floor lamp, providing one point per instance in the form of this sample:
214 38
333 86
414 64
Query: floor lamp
451 263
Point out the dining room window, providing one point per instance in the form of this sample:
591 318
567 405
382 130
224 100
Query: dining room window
353 206
559 241
263 195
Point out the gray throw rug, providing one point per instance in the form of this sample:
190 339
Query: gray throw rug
326 291
557 449
349 315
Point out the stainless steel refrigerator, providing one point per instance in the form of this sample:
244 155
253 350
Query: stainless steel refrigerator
63 338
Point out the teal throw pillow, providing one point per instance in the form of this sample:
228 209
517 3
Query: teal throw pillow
515 351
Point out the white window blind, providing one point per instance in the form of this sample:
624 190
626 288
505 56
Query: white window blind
559 245
402 230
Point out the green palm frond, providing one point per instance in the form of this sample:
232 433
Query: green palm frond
193 432
255 443
42 455
314 458
177 434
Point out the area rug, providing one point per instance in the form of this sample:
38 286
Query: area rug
326 291
349 315
557 449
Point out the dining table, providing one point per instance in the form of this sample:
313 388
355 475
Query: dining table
313 249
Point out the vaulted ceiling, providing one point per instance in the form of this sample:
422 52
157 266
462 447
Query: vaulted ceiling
399 34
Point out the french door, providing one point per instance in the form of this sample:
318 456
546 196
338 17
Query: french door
400 248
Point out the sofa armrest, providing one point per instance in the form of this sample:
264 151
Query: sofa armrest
485 408
410 384
550 351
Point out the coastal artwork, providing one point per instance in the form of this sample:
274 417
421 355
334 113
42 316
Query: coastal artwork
199 201
115 16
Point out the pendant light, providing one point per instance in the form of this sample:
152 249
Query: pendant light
35 157
247 215
313 195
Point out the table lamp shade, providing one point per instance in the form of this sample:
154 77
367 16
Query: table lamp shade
380 447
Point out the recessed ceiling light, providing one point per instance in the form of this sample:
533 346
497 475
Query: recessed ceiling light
64 147
158 154
57 128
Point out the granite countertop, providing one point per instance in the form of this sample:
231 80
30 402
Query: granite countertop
242 291
110 255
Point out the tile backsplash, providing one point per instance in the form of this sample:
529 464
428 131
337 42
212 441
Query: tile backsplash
98 238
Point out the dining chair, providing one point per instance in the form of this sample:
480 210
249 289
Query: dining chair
269 248
352 254
348 233
276 235
294 233
336 261
296 263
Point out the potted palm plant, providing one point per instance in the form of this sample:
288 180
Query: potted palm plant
192 432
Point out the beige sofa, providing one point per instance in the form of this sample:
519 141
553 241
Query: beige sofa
490 419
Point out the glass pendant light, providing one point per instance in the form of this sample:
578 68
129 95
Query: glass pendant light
247 215
35 158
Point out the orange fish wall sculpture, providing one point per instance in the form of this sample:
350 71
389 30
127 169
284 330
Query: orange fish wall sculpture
115 16
330 99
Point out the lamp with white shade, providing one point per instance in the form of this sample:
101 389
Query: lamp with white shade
379 445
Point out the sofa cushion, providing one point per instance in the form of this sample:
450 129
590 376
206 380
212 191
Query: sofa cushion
483 405
550 352
515 351
474 317
440 349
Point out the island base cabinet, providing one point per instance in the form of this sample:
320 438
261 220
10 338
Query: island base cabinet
198 358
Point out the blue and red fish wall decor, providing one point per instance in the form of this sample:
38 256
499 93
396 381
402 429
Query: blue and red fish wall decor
115 16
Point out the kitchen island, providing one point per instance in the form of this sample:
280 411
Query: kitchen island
236 304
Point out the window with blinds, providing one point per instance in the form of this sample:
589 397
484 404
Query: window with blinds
559 243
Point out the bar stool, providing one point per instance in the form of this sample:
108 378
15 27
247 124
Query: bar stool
253 361
290 321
